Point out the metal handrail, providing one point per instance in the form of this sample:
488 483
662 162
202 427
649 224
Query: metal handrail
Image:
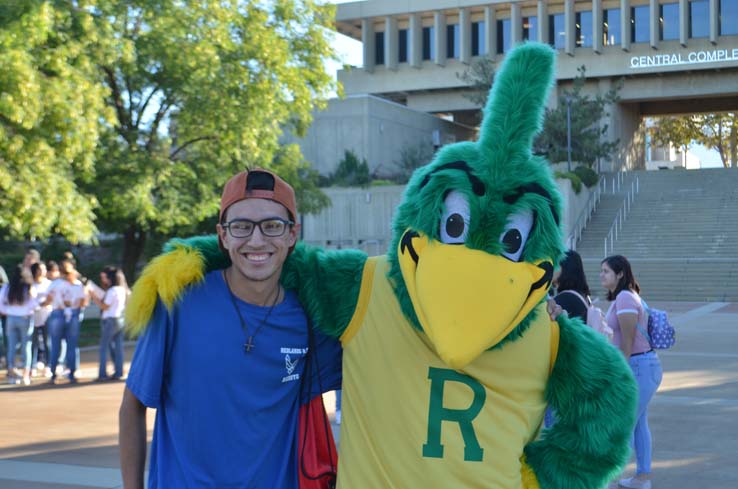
622 215
585 215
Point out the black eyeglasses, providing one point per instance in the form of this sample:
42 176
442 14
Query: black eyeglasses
271 227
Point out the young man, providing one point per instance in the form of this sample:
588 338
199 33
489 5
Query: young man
223 365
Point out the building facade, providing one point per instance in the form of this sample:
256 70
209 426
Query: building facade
675 56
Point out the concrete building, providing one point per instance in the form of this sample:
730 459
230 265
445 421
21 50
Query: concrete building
675 56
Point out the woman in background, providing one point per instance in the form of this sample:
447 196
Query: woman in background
18 302
40 341
112 305
629 322
572 290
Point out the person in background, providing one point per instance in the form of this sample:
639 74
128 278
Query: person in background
112 305
3 334
32 256
629 321
572 290
68 298
40 341
18 302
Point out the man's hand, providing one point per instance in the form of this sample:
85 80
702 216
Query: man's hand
554 310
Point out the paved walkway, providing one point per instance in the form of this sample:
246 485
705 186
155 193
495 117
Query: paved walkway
65 436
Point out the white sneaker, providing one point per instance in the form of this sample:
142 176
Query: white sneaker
634 483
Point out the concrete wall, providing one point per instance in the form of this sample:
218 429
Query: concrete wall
362 218
374 129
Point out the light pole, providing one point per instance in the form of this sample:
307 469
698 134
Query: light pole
568 133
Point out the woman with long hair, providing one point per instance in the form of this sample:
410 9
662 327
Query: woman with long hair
572 290
40 340
629 321
18 302
112 305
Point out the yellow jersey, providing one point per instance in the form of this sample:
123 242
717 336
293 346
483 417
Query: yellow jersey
410 421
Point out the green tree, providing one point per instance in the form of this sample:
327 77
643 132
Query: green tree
351 172
587 130
718 131
52 111
163 100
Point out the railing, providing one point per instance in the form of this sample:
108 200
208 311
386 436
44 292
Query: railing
623 212
586 214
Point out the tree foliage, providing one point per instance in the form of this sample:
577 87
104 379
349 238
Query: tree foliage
52 111
351 172
718 131
587 130
166 100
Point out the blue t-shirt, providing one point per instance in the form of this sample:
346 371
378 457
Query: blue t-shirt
226 418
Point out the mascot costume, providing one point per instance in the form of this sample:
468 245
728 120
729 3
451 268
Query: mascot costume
450 357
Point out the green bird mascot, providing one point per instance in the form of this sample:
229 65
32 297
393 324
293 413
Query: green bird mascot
450 357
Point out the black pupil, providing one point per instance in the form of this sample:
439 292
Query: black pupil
512 240
455 225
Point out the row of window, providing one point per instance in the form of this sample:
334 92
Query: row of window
698 24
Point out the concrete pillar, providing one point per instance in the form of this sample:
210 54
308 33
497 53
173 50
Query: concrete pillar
714 7
465 35
367 41
415 34
570 24
391 51
653 8
625 24
683 22
597 33
516 24
439 22
490 27
542 21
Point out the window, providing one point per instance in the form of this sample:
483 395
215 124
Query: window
611 27
584 29
429 45
452 41
669 22
530 28
379 48
556 31
478 44
503 36
403 47
728 13
699 18
639 28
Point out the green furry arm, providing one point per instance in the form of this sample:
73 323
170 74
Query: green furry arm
327 282
594 394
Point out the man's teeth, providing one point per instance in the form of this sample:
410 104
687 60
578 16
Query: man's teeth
257 256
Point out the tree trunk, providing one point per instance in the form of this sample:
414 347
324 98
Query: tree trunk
134 240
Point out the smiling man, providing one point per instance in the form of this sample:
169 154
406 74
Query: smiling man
223 365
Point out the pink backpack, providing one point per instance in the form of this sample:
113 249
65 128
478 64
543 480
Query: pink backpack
595 316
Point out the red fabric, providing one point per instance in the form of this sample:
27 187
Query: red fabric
318 458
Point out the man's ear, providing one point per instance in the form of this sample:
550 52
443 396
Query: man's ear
294 234
222 234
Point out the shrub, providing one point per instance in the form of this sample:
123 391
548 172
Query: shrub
588 176
576 182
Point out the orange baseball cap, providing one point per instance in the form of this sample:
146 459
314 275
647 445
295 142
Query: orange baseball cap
258 184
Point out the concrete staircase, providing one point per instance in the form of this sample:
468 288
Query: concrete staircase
681 235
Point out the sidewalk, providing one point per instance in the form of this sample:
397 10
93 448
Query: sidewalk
65 436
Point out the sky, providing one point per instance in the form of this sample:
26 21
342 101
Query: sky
350 52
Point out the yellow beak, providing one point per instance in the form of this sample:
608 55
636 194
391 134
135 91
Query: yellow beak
467 300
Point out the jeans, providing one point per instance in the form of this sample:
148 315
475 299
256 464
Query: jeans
647 372
60 328
111 336
40 345
20 330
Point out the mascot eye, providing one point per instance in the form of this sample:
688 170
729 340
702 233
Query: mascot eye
455 218
516 233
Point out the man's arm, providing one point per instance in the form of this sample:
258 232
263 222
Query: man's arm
132 440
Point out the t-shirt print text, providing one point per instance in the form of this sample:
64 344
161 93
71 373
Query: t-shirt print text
292 357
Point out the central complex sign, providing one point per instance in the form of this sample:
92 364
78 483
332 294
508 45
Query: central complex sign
692 57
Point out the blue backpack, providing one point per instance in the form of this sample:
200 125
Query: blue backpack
661 334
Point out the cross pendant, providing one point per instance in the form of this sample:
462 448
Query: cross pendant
249 344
